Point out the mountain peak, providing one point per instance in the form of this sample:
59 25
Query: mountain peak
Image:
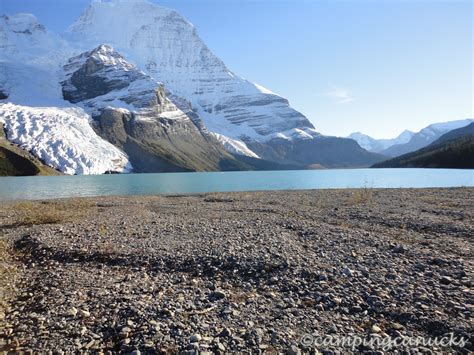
22 23
104 49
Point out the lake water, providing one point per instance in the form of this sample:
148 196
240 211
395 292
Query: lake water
44 187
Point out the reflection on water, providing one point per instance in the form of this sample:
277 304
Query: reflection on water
43 187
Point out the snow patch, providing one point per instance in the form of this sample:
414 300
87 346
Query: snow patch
235 146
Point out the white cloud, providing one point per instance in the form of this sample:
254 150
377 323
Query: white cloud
340 95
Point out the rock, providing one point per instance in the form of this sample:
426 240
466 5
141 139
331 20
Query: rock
217 295
375 329
89 344
396 326
84 313
226 332
399 249
348 272
167 311
446 280
196 338
73 311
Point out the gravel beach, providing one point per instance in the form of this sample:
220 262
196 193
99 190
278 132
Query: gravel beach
252 272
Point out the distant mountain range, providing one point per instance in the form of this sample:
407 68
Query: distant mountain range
379 145
454 149
131 87
408 141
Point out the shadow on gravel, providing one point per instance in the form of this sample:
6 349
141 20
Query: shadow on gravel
419 226
204 266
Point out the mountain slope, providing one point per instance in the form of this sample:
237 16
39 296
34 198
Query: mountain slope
62 138
327 152
456 133
132 111
425 137
454 149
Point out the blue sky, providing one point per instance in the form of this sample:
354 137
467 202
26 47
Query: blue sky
376 66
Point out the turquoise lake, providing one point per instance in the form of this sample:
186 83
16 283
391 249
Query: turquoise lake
46 187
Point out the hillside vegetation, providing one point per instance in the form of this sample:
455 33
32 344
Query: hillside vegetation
454 150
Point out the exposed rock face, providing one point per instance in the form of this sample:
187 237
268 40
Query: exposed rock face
102 77
133 112
163 145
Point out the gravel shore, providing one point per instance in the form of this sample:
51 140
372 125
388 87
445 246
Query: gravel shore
260 272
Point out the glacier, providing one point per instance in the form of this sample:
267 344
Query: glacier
62 138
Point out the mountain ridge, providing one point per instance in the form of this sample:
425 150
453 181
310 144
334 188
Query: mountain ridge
408 141
379 145
454 150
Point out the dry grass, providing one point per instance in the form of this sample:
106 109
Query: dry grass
29 213
361 196
8 274
106 246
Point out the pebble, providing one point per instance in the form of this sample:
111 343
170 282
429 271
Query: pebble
446 280
196 338
375 329
73 311
84 313
348 272
217 295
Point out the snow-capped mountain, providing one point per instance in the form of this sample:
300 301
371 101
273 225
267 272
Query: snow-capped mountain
135 81
167 47
30 56
379 145
407 141
425 137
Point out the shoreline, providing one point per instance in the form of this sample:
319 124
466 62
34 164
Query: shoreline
238 271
